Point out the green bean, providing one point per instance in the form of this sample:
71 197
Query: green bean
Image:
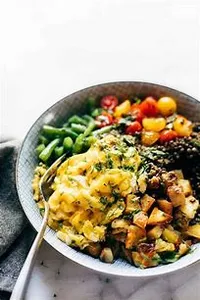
71 133
78 145
43 140
39 149
78 128
46 153
88 118
68 143
89 141
96 112
90 128
102 130
59 151
78 120
53 132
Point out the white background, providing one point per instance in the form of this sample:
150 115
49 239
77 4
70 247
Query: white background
51 48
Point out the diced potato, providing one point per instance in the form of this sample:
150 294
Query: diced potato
146 202
135 234
183 249
132 204
144 262
107 255
169 178
140 219
170 236
176 195
165 206
194 230
157 216
94 249
190 207
162 246
179 174
186 186
155 232
120 223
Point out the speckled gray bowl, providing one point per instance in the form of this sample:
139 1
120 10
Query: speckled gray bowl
58 113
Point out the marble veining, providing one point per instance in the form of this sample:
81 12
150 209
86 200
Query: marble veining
56 277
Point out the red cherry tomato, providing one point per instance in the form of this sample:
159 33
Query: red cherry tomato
109 102
104 119
133 128
149 107
137 113
167 135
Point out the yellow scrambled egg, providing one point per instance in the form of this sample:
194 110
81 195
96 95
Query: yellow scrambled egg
90 190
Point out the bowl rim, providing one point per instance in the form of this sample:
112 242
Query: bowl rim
155 271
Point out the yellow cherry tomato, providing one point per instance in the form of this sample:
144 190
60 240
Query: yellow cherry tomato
122 109
154 124
182 126
166 106
149 138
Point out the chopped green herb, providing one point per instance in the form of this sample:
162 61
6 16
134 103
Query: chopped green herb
98 166
104 200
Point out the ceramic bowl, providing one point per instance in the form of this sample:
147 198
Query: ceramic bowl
58 114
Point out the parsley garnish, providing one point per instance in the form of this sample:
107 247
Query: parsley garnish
104 200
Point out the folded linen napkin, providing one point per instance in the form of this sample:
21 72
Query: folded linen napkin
16 235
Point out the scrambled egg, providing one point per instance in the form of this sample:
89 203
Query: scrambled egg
90 190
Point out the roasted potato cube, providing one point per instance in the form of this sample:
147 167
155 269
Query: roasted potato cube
94 249
140 219
176 195
169 178
194 230
165 206
183 249
107 255
162 246
146 202
134 235
157 216
155 233
179 174
190 207
186 186
144 262
120 223
170 236
132 204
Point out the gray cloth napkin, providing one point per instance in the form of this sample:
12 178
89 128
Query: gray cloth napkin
16 235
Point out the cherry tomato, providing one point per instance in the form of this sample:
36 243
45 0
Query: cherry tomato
167 135
149 107
104 119
137 113
109 102
133 128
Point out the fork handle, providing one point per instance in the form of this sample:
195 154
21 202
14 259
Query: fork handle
20 286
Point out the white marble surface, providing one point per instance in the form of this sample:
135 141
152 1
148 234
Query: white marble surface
52 48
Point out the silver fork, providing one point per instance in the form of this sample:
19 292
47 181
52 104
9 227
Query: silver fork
46 191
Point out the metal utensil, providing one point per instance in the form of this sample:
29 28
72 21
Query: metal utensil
46 191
